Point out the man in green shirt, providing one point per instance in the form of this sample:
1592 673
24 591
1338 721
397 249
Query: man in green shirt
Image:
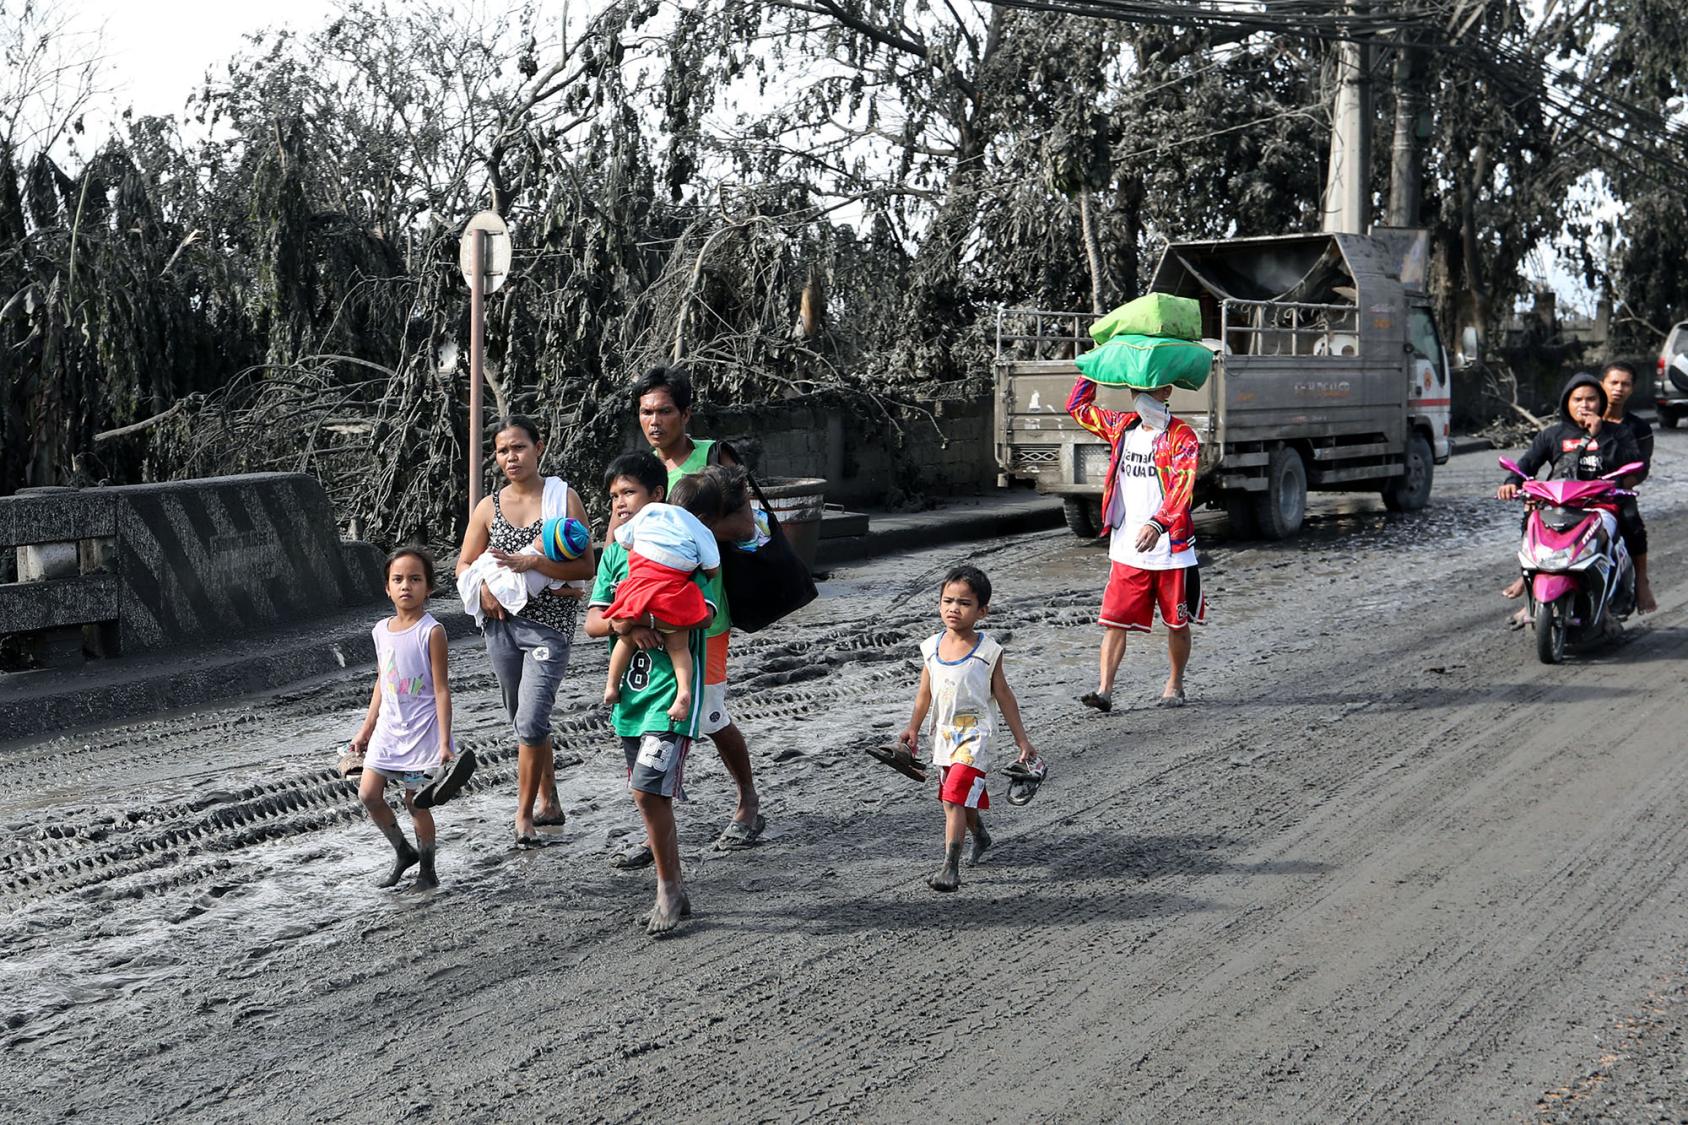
663 397
654 743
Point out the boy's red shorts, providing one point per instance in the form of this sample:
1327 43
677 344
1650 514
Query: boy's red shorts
964 786
1133 593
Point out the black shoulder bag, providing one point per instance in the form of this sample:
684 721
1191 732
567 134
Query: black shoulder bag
766 584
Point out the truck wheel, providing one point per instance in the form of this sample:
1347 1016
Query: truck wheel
1281 508
1080 518
1239 515
1411 490
1668 418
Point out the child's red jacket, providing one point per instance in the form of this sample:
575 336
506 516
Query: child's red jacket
1176 454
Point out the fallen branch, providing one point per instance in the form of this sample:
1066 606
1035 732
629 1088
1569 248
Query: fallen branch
137 427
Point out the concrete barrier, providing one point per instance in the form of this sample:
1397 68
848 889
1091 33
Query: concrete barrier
140 567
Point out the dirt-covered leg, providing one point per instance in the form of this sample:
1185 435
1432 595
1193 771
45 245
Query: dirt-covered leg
1178 656
948 877
671 901
375 803
422 823
981 836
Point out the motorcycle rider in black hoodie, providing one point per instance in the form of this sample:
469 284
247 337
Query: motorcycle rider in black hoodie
1579 447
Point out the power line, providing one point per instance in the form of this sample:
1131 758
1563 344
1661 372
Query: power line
1441 29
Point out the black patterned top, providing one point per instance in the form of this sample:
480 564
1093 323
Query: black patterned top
544 608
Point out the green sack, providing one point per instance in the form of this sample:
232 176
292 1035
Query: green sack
1147 362
1152 314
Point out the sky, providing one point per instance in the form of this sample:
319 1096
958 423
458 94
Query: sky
157 50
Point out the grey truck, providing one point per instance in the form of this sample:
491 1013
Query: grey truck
1328 374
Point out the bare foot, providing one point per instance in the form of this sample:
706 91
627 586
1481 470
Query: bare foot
682 706
948 877
1516 590
524 827
671 906
981 844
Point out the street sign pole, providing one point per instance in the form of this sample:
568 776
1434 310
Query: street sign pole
477 356
484 257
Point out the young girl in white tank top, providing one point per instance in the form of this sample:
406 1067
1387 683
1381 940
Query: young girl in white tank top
407 728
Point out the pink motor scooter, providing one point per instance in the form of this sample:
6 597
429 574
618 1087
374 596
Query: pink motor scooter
1578 573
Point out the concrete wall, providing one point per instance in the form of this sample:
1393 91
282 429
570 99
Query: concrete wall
858 450
160 564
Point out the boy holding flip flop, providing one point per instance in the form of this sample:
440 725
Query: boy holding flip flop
962 684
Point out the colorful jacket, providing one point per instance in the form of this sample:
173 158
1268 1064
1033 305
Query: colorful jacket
1176 454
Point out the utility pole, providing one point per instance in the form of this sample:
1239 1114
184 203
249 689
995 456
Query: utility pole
1406 165
1348 186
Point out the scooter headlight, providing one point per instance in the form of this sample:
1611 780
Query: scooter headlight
1554 560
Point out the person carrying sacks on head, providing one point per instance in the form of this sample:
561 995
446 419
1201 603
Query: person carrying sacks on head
1147 496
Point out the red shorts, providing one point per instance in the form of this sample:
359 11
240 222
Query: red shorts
964 786
715 659
1133 593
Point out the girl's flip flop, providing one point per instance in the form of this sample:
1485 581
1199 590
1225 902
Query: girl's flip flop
448 781
898 759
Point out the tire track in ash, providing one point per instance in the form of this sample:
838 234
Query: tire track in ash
1423 756
62 850
900 1006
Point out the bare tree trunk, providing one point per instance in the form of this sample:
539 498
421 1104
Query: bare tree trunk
1093 253
1476 298
1406 172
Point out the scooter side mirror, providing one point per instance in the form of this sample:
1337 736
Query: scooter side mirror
1512 466
1624 470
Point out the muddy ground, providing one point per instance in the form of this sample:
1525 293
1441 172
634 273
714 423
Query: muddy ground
1385 866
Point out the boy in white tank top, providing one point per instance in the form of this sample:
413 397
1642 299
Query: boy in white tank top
962 683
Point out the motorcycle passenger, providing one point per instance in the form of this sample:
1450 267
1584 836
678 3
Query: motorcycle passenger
1618 380
1581 446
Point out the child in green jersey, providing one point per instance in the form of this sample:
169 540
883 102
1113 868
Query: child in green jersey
655 744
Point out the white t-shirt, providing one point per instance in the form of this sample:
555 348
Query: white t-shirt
963 712
672 536
1139 497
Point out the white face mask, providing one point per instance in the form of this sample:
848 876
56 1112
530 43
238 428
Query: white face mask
1155 414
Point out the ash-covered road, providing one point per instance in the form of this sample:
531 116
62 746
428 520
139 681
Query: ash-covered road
1385 866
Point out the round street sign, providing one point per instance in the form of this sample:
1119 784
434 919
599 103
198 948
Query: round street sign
497 258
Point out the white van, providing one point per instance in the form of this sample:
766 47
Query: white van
1671 384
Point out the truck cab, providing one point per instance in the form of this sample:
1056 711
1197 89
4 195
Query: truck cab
1329 374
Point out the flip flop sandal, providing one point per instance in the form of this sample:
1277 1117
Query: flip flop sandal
1102 703
633 858
740 835
350 765
1172 700
447 782
898 759
1024 781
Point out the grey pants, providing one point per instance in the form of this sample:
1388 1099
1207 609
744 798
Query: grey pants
529 660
